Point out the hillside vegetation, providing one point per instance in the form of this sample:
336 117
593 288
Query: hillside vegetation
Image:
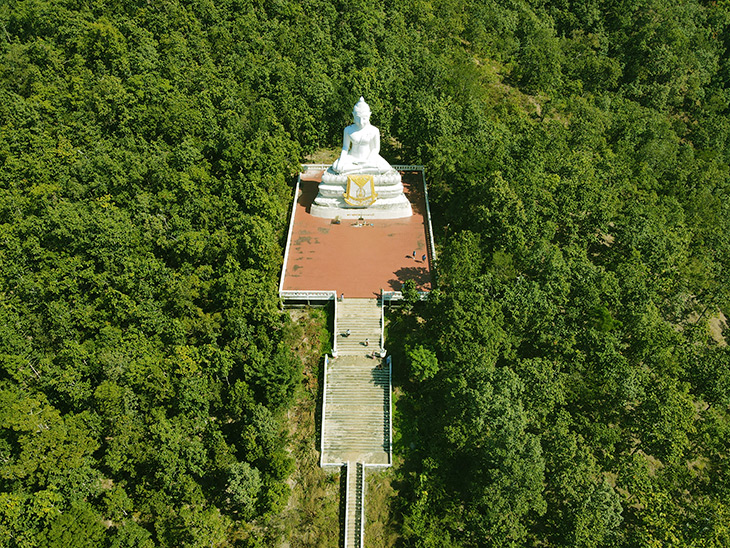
563 388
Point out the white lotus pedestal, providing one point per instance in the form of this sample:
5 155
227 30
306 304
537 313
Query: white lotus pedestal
355 195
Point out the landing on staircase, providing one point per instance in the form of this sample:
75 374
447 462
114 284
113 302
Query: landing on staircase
361 317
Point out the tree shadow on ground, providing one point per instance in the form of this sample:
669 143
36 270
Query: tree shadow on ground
419 274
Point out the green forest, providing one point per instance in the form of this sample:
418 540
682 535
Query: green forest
567 384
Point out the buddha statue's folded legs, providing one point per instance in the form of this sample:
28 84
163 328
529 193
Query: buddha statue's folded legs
373 164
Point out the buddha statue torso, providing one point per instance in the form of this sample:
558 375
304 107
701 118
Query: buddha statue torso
361 145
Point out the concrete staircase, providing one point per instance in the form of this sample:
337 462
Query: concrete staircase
355 502
357 411
356 416
362 317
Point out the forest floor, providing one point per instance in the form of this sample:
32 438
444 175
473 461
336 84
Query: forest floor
322 156
381 528
312 516
718 324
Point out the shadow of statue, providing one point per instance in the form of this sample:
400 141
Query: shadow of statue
307 193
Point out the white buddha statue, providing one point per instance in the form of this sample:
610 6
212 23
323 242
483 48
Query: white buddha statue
361 183
361 145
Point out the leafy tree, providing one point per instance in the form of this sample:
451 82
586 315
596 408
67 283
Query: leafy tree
423 363
598 519
410 293
79 527
577 156
244 485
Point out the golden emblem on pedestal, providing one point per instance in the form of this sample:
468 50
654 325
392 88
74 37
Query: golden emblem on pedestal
360 191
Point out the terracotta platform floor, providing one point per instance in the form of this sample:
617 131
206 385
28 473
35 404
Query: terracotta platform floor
357 260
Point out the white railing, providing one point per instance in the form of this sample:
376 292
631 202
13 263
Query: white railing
308 295
334 329
362 506
389 361
288 236
398 296
347 502
315 167
407 167
322 462
392 296
428 214
397 167
324 410
382 320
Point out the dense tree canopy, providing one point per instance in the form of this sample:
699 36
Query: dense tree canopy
572 385
144 176
566 387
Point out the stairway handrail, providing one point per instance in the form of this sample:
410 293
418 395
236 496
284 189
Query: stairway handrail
324 410
362 505
334 327
347 501
389 360
382 320
322 463
430 227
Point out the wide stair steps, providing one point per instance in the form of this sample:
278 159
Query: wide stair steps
362 318
356 416
357 411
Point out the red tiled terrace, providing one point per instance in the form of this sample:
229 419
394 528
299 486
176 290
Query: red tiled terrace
357 261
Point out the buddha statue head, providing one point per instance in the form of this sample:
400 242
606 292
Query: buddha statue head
361 113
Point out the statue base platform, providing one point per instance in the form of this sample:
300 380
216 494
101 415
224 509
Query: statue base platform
391 202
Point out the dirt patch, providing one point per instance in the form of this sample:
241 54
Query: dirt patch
718 324
309 337
322 156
